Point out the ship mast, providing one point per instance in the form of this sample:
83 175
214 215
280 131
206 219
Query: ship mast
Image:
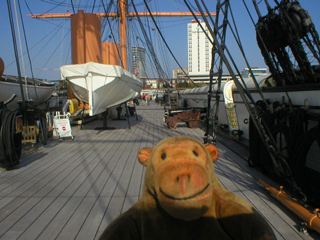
123 33
82 52
123 14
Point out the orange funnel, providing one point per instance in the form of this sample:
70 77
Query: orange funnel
86 38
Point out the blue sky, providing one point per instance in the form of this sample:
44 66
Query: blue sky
49 40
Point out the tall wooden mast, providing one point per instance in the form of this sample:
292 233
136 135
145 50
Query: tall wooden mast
86 35
123 32
83 27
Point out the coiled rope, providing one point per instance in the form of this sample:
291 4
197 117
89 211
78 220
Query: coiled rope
10 141
308 178
298 147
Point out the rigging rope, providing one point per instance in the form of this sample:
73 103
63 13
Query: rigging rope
165 42
60 4
54 51
266 136
25 1
107 10
37 43
72 6
153 68
16 51
94 3
20 46
28 53
238 41
210 125
160 71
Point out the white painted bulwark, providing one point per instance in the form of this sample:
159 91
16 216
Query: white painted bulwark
10 89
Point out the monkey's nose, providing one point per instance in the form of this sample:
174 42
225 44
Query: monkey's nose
183 181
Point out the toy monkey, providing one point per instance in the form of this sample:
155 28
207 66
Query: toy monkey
183 199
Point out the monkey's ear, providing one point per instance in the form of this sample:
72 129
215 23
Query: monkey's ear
144 155
213 151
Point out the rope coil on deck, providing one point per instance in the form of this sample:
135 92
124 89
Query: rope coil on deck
10 140
287 126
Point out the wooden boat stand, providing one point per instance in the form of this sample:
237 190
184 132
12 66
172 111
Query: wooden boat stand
128 115
119 109
105 122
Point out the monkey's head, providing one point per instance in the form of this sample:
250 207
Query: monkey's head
180 175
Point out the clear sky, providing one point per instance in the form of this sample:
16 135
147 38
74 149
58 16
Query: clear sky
49 39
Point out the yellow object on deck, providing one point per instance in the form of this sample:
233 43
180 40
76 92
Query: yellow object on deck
74 105
29 134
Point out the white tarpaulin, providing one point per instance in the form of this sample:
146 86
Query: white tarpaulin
82 70
101 86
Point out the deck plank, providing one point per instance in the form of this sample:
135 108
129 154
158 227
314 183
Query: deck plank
63 151
61 187
46 182
74 189
244 186
61 220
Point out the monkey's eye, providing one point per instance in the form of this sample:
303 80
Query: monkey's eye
164 156
195 153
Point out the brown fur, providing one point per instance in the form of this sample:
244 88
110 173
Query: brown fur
183 199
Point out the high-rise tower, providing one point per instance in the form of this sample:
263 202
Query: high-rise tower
199 49
139 61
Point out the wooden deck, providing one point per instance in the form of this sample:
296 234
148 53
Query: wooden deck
74 189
